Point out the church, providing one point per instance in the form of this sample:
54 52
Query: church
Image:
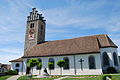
89 55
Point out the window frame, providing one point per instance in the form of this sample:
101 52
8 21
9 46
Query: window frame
17 65
115 59
92 62
67 65
105 57
53 61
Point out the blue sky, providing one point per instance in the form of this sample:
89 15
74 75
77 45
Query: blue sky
65 19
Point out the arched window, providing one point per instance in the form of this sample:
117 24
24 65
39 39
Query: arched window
39 60
115 59
51 60
38 68
91 62
66 63
105 59
17 65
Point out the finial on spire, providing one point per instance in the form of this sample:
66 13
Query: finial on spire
34 15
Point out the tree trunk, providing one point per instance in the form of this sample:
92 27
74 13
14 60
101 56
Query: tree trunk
50 72
32 70
39 72
61 70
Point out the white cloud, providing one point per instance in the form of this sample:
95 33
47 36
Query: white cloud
15 51
6 58
80 13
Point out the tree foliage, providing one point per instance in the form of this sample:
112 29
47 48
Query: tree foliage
32 62
50 65
61 63
39 65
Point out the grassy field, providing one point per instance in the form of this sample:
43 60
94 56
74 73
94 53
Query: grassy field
77 77
5 77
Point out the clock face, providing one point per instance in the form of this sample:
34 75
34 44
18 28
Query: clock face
31 34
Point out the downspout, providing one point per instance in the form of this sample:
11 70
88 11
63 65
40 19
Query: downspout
22 67
74 65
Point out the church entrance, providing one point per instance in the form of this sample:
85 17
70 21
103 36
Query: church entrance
28 70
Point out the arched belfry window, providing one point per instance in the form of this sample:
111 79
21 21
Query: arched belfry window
115 59
51 60
32 25
17 65
91 62
105 59
66 59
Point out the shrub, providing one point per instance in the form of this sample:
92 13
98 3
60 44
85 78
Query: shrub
12 72
51 65
111 70
61 63
104 77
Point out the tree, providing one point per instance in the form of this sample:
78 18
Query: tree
61 63
39 66
32 62
51 66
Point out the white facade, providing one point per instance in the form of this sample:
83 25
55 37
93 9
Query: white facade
19 68
74 64
74 68
110 52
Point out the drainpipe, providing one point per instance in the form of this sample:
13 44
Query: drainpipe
74 65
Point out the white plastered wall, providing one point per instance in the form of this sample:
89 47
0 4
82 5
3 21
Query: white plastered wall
110 52
13 67
71 71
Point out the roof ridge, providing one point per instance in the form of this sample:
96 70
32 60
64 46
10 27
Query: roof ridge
107 39
77 37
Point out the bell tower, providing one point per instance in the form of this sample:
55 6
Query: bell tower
35 29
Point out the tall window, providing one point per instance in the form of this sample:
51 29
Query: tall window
51 60
91 60
115 59
66 63
37 65
32 25
105 59
17 65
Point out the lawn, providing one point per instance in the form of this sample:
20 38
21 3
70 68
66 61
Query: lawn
77 77
99 77
5 77
26 78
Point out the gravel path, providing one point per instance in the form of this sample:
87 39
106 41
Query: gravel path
14 77
61 78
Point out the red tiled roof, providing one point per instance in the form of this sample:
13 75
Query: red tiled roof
81 45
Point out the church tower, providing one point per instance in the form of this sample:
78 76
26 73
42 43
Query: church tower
35 29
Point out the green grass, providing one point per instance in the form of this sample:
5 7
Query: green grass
27 78
99 77
116 77
5 77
